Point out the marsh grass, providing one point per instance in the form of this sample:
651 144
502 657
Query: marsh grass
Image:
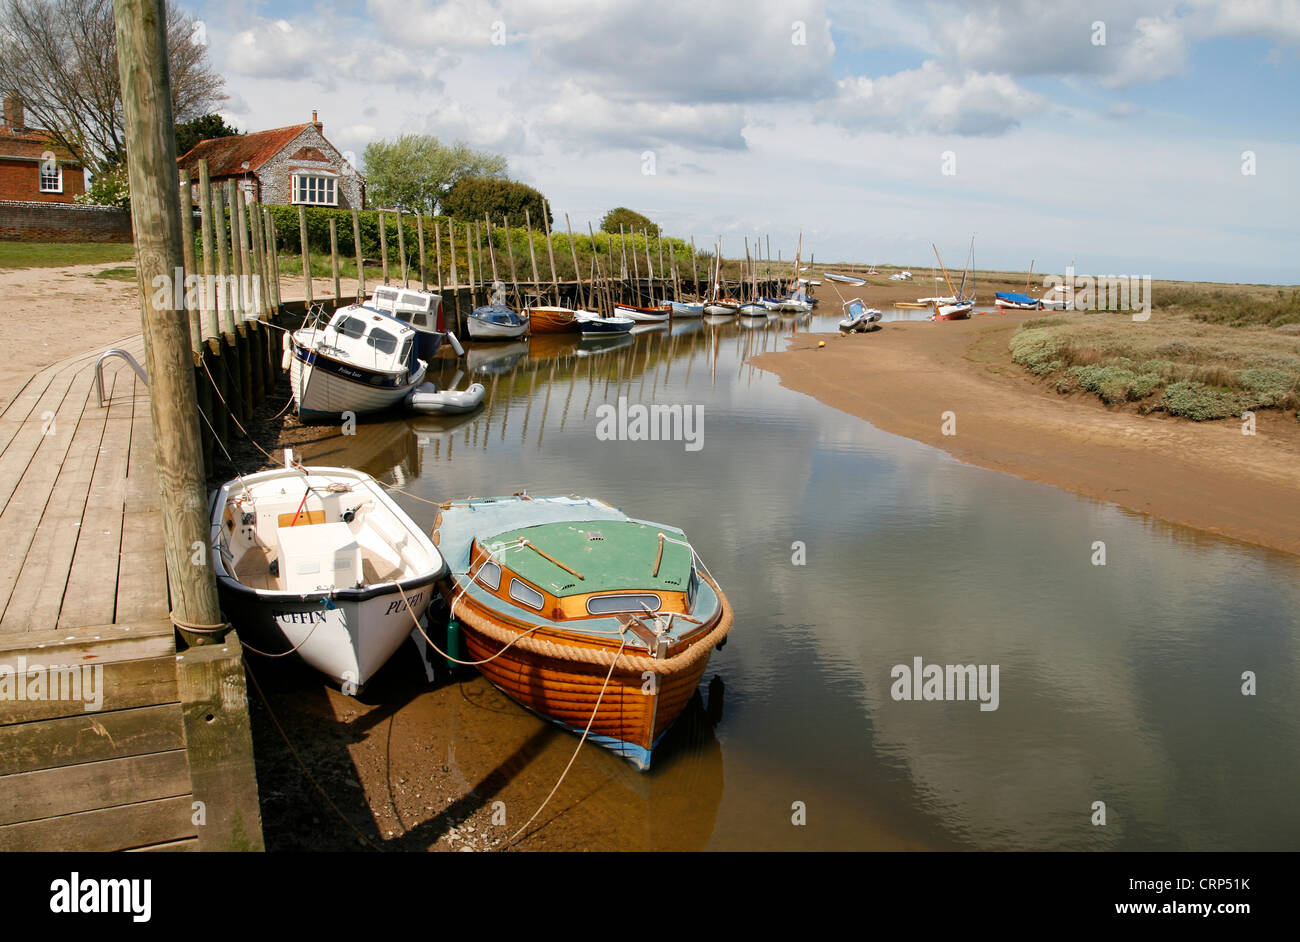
1206 353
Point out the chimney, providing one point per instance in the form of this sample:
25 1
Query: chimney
315 120
14 113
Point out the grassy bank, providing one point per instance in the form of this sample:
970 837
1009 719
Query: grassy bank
58 254
1207 352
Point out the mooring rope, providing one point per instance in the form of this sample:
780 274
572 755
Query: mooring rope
294 752
605 686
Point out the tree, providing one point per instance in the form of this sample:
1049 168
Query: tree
630 221
110 188
201 128
416 171
471 197
60 58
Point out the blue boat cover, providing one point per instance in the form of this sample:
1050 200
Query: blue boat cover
1017 298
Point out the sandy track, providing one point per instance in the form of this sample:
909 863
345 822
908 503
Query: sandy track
1205 475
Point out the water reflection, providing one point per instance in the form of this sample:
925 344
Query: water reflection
1119 683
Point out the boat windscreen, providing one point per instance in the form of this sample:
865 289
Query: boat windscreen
382 340
351 327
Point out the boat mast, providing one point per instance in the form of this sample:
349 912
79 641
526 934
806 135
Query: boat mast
944 270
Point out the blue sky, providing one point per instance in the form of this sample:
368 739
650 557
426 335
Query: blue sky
1125 156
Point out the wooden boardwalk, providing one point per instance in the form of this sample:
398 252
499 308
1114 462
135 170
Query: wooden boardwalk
83 583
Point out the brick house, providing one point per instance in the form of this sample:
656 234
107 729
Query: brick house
33 168
283 166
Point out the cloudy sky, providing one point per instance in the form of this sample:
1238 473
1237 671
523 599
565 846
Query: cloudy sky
1110 133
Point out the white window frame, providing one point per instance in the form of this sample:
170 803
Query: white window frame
329 186
58 175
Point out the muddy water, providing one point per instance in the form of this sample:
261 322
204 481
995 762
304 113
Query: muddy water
847 552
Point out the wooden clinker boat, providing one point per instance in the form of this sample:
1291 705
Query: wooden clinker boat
552 320
582 614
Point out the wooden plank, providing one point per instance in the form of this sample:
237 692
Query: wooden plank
48 793
92 580
28 747
37 593
210 679
28 471
122 828
142 572
102 636
126 684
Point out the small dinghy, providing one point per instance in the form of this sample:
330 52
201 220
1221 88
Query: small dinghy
548 319
428 399
593 325
323 563
846 279
496 320
859 317
646 315
687 308
581 613
1012 300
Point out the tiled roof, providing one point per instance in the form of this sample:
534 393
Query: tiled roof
226 155
31 143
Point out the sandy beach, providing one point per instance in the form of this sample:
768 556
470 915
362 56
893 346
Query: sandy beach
904 377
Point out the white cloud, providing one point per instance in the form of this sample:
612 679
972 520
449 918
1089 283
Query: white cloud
928 100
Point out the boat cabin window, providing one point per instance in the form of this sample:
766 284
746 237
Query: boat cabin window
351 327
522 592
611 604
382 340
406 350
490 576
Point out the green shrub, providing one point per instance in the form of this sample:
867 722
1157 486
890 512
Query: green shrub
1199 402
1036 349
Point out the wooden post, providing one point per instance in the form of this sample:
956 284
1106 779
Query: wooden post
306 253
245 257
649 269
550 250
451 247
273 252
695 272
636 272
419 231
469 264
577 272
510 250
258 250
334 258
437 248
173 403
211 327
659 237
225 298
622 241
383 245
492 252
478 258
532 252
236 260
401 249
604 284
356 246
187 252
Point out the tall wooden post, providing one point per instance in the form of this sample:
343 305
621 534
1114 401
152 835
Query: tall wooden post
247 288
187 252
173 402
401 249
437 248
211 327
356 244
550 250
532 252
383 245
225 299
419 232
577 272
238 305
334 257
510 250
273 259
306 253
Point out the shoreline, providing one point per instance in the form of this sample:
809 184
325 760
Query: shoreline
903 378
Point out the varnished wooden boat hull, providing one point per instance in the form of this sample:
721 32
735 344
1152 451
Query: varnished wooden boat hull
634 712
551 321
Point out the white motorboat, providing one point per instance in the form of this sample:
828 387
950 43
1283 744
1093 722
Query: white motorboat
323 563
644 315
430 400
420 310
362 360
592 324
